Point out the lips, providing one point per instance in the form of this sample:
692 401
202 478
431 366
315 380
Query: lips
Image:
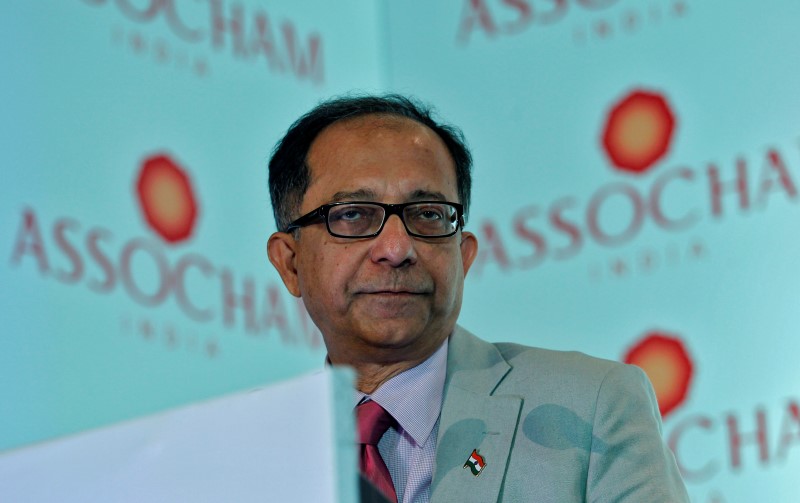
394 290
391 291
398 285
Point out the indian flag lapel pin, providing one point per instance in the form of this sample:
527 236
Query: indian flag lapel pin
476 463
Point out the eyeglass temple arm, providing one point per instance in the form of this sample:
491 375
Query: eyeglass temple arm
306 219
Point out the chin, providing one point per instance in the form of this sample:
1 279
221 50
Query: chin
401 335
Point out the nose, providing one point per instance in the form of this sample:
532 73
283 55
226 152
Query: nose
393 246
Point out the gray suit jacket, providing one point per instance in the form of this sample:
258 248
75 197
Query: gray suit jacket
551 426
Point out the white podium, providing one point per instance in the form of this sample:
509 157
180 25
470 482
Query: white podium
290 442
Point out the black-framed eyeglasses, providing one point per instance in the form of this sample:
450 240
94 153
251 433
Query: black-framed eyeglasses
425 219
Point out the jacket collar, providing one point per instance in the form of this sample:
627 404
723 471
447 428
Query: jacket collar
473 417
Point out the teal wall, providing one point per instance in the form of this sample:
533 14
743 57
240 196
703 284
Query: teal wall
103 319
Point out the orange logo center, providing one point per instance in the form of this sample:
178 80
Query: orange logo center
638 131
166 198
666 362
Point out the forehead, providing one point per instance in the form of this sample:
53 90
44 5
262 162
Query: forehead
387 157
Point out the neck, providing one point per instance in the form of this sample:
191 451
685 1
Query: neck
370 376
375 369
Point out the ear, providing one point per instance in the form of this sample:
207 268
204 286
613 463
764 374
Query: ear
469 250
282 251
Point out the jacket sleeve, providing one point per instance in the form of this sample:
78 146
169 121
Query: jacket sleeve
629 460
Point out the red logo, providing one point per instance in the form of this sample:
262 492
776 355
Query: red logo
638 131
666 362
166 198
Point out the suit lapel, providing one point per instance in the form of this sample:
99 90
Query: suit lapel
473 418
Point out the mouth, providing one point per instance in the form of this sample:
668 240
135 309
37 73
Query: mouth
393 293
395 288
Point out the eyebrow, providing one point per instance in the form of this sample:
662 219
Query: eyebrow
354 195
370 195
426 195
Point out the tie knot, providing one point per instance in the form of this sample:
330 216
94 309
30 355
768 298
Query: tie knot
373 421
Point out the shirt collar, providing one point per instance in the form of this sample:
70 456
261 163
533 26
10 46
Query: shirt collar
414 396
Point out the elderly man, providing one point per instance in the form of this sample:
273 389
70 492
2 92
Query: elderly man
370 195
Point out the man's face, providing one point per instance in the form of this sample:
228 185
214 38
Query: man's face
391 297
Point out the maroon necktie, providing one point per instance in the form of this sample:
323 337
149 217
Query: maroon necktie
373 421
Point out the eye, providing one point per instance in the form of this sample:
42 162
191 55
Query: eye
428 213
352 213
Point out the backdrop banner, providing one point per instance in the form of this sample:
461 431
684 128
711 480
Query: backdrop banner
637 166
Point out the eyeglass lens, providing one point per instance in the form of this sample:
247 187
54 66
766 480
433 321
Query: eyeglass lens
364 219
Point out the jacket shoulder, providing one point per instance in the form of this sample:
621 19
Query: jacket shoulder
549 362
545 372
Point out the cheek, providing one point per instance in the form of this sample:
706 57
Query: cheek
449 276
311 274
324 276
